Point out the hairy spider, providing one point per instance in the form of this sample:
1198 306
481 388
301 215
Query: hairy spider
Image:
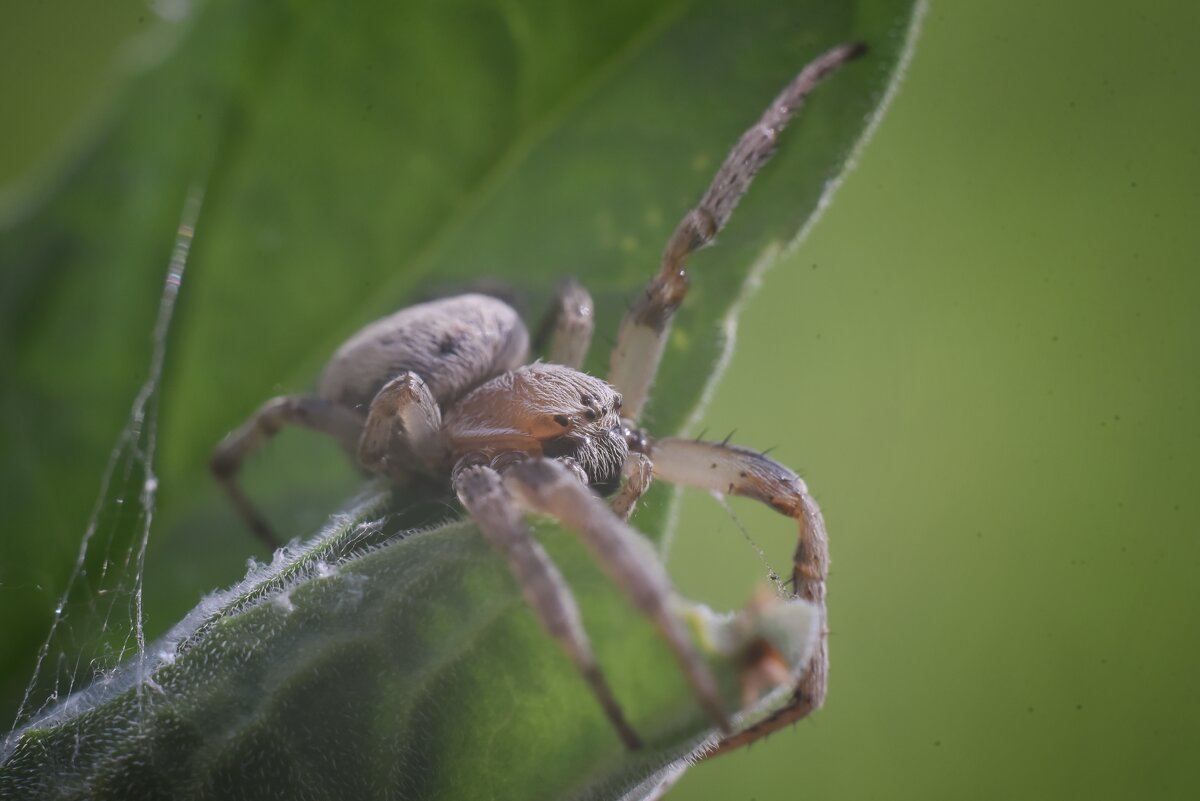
443 390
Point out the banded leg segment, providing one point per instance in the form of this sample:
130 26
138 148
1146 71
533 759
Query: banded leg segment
495 512
404 422
738 471
568 325
545 486
308 411
643 332
637 472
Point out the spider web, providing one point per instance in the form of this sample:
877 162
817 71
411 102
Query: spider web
98 620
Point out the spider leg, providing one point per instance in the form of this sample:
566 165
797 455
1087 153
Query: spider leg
483 494
404 421
637 472
545 486
309 411
643 332
568 325
738 471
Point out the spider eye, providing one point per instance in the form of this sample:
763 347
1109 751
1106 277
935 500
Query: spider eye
617 404
562 420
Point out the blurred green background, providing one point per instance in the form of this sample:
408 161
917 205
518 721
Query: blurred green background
986 361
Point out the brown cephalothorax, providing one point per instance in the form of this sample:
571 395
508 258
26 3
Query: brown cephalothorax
444 390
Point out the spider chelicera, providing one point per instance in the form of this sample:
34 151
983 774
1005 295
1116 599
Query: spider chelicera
443 390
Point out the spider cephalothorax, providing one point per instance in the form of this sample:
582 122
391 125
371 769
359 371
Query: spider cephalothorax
443 390
545 410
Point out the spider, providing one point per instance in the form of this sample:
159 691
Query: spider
443 391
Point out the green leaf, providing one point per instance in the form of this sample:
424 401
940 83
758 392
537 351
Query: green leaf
347 669
354 161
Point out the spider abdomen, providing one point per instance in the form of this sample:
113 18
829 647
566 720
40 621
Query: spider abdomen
454 345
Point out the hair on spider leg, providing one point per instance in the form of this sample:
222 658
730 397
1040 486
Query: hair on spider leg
790 581
444 393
